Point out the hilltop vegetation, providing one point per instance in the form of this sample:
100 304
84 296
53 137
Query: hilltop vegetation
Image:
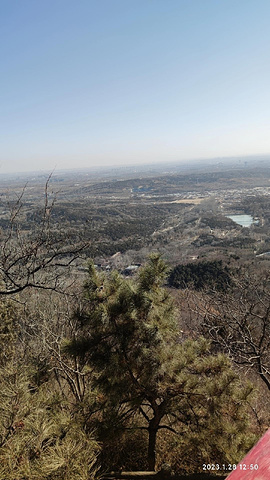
120 378
101 372
201 275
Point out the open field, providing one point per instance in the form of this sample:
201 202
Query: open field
190 201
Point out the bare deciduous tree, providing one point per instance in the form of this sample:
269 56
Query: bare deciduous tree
239 323
37 257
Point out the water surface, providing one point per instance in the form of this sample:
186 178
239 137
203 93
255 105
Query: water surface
243 220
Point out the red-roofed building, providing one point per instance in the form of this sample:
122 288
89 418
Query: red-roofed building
256 464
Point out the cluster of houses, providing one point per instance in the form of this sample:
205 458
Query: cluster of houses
107 267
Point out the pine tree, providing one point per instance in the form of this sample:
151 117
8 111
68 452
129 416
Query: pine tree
41 437
130 338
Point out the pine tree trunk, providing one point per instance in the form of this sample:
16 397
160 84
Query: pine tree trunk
152 448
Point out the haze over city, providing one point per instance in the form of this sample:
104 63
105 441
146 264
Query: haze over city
95 83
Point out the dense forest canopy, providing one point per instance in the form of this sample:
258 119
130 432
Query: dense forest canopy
201 275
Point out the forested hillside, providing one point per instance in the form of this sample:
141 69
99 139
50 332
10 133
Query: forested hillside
104 370
201 275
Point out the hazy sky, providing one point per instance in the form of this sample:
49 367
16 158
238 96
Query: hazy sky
99 82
